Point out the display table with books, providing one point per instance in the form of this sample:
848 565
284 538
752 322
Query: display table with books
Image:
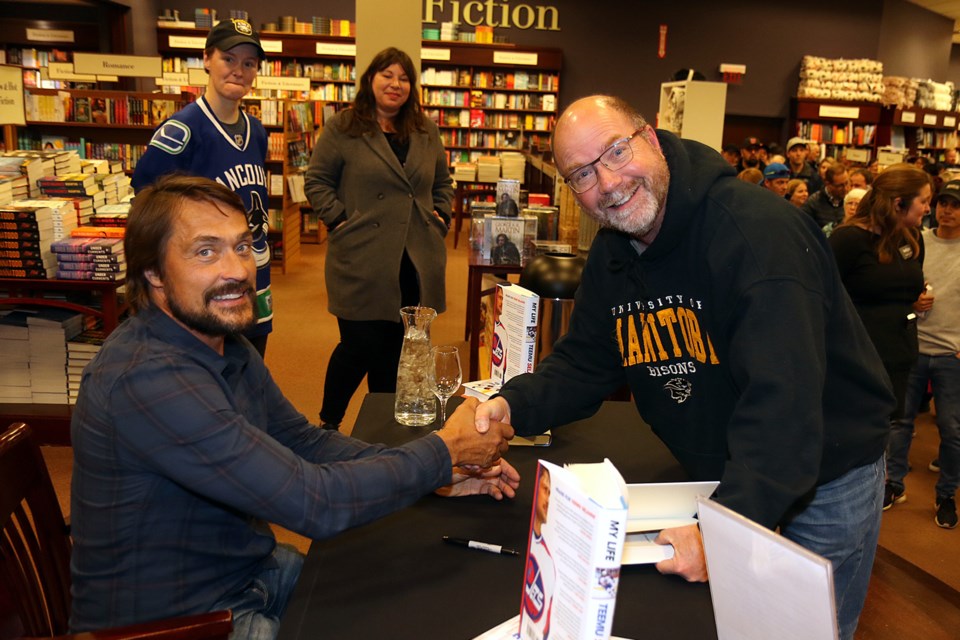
396 578
30 291
478 265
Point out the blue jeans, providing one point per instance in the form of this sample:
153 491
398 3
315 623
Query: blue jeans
943 372
257 609
842 524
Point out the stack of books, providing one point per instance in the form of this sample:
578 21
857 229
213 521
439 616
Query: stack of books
488 168
90 258
25 237
115 186
15 354
63 215
464 171
27 166
66 162
80 351
111 215
49 329
513 165
12 187
68 185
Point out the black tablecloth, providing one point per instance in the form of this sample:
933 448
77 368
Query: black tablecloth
395 578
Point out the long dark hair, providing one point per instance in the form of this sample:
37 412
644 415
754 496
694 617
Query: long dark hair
152 219
882 209
362 117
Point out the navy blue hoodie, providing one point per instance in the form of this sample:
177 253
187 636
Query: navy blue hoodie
736 337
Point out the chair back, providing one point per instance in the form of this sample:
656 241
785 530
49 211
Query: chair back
35 542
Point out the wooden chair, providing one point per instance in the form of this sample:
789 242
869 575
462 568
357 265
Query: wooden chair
35 559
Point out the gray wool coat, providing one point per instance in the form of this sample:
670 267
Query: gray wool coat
388 208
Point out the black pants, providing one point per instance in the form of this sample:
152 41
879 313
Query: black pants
367 348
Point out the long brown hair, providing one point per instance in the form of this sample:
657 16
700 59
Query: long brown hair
151 222
882 209
362 117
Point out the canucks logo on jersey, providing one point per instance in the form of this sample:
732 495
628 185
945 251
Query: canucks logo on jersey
172 137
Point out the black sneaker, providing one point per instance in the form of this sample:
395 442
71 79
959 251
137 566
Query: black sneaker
934 465
946 512
330 426
891 496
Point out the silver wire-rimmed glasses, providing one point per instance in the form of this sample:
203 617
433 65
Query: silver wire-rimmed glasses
615 157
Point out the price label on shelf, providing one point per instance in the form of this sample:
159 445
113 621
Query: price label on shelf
434 54
334 49
282 83
514 57
186 42
834 111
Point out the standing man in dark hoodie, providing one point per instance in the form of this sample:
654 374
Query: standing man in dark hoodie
720 305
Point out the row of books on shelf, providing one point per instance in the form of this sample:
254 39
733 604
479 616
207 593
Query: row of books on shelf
479 119
128 110
44 351
334 92
516 80
850 133
433 97
33 57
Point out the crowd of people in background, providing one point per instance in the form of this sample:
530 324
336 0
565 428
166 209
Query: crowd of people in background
880 221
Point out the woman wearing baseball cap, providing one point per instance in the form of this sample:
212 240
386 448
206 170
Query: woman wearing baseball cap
213 138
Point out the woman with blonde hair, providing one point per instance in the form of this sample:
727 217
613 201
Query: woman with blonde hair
797 192
879 252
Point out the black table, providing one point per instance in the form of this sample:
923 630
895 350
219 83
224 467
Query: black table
395 579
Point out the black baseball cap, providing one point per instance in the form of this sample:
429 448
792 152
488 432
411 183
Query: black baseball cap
231 33
750 142
950 190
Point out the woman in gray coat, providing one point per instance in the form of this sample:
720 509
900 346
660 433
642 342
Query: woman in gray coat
379 180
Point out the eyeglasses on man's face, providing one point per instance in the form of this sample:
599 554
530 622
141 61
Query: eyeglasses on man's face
614 158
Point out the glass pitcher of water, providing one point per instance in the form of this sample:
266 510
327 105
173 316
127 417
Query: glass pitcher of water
416 404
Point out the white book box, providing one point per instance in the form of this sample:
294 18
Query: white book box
694 110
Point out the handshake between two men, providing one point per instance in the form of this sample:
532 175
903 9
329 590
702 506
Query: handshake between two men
476 457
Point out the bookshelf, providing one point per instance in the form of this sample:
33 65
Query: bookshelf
490 98
109 125
328 61
918 130
847 129
485 98
302 124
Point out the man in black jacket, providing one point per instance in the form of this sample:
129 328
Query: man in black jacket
720 305
826 205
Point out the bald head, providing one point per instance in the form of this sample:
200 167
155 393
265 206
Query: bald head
590 107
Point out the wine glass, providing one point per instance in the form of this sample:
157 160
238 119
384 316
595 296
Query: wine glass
446 376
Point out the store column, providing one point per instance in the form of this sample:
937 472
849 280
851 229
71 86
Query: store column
397 23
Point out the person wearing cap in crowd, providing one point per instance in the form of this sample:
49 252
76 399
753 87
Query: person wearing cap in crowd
750 155
214 138
826 205
797 153
775 178
731 153
861 178
938 363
